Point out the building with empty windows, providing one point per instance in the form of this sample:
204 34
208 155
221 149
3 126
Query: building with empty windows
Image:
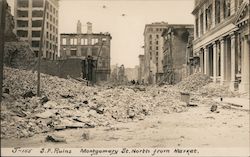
28 16
176 39
83 45
153 52
221 40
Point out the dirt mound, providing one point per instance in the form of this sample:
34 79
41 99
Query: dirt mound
194 82
68 104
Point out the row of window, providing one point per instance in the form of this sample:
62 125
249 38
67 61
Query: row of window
51 36
155 29
84 52
52 19
156 48
151 36
25 3
51 27
156 54
157 42
82 41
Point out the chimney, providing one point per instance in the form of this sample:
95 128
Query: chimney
89 28
79 27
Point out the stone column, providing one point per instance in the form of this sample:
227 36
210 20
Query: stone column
222 57
214 62
233 5
201 61
206 61
244 86
232 84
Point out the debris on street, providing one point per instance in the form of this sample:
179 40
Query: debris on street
69 104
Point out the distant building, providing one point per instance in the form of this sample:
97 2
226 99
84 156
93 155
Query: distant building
28 17
174 52
132 73
221 41
153 53
141 68
95 45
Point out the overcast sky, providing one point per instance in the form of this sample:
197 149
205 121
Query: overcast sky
126 31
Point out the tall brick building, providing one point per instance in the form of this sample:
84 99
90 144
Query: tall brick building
28 16
221 40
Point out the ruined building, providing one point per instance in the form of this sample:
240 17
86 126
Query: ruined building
28 16
153 53
174 52
221 41
88 45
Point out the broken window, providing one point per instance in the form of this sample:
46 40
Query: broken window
21 23
36 33
73 52
197 27
217 12
226 8
37 23
201 23
35 44
22 33
37 3
23 3
22 13
94 41
37 13
209 17
73 41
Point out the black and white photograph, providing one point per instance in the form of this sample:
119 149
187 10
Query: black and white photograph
125 78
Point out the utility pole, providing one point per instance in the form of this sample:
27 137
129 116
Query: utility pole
40 51
3 5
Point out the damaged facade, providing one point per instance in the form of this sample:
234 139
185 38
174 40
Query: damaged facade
176 38
221 41
88 45
28 15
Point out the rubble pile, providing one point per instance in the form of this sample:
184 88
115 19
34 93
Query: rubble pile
19 55
216 90
69 104
194 82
